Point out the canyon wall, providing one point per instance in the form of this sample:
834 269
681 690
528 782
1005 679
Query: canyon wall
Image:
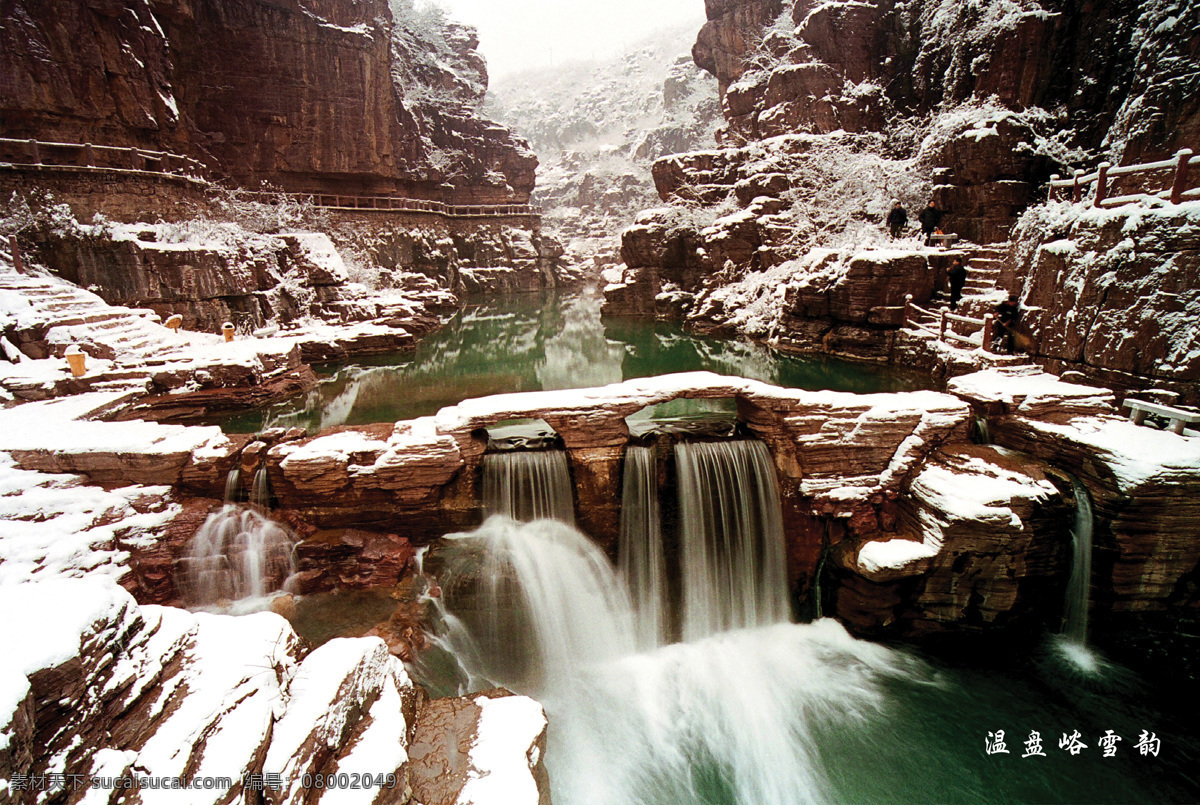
328 96
833 110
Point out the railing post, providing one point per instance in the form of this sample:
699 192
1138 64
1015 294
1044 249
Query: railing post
988 324
942 327
1181 172
1054 177
89 155
1102 184
133 159
907 308
1076 192
164 164
34 153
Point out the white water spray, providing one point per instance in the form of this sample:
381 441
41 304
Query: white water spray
1075 626
236 554
539 599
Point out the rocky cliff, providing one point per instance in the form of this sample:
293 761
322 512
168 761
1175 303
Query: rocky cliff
597 128
108 696
335 95
834 109
1111 295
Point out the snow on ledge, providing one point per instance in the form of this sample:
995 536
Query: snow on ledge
1025 388
895 554
505 752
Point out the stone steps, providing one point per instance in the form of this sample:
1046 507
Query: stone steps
66 313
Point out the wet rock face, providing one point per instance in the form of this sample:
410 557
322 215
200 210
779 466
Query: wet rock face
298 94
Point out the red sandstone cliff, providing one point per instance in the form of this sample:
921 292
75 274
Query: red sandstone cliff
310 96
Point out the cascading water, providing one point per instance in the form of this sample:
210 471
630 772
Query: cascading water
233 485
1075 624
640 561
983 431
539 600
734 572
236 554
528 485
749 717
260 490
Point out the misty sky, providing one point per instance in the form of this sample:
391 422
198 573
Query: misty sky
518 34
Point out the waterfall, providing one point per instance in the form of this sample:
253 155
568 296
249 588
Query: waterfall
731 542
539 600
983 430
233 484
260 491
1075 621
528 485
236 554
640 559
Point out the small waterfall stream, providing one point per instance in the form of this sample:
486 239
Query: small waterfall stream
1075 621
640 560
731 543
528 485
233 485
260 490
237 554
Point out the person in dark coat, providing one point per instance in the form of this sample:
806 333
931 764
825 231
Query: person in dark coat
1008 314
957 274
897 219
930 217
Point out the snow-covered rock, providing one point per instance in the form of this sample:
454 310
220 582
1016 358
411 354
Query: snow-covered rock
95 686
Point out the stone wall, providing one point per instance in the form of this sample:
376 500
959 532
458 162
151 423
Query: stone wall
119 196
922 533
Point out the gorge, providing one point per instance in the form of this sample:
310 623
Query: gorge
432 496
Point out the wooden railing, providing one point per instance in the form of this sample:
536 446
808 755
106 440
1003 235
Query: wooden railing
398 203
1177 170
37 154
945 328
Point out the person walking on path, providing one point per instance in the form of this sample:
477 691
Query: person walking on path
897 219
957 274
930 217
1008 314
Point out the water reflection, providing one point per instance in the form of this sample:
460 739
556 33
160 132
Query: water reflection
531 343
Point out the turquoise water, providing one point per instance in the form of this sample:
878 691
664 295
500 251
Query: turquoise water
533 343
789 713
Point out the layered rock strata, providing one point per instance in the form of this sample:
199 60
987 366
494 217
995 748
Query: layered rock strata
1141 479
833 109
843 302
106 691
330 96
1109 295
